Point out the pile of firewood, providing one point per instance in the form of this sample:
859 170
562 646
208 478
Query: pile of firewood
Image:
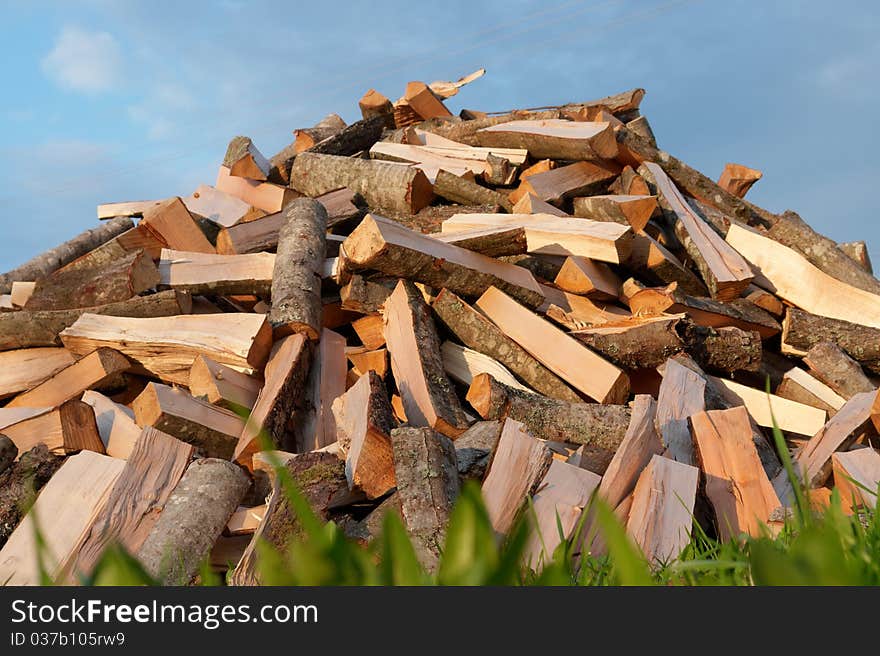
541 300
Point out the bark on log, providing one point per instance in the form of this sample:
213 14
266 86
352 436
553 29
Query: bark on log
460 190
20 483
192 520
296 280
364 296
830 364
801 331
474 448
8 453
858 252
599 427
44 264
26 329
357 137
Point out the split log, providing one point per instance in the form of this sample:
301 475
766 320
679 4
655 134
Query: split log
316 427
44 264
373 103
461 190
830 364
857 476
800 386
115 424
738 179
428 396
244 160
682 394
801 331
738 313
794 279
166 347
91 371
67 429
8 453
20 482
553 139
21 293
79 288
209 274
395 251
125 209
398 188
858 251
580 275
370 330
251 236
296 279
654 262
578 179
193 518
464 364
266 196
531 204
363 296
736 484
130 241
363 360
280 398
174 227
307 138
142 489
600 427
642 128
492 242
25 329
220 208
764 300
725 272
629 183
24 369
662 509
633 211
563 355
474 448
222 386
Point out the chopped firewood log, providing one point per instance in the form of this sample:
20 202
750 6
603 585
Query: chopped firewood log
166 347
213 431
554 139
531 204
541 166
70 289
69 428
474 448
800 386
653 261
130 241
765 300
367 422
281 396
647 301
562 493
6 303
370 330
296 279
326 128
725 272
801 331
222 386
739 313
858 252
363 296
629 210
831 365
8 453
131 208
606 242
662 509
44 264
580 275
10 416
794 279
578 179
642 128
600 427
20 481
266 196
316 427
519 464
90 371
564 356
428 396
65 509
217 206
204 273
244 160
373 103
24 369
395 251
151 472
491 241
173 225
364 360
245 521
21 292
464 364
736 484
455 158
396 187
25 329
857 476
738 179
466 192
250 237
193 518
423 101
629 183
682 394
115 424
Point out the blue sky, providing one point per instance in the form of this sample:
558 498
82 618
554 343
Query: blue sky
111 100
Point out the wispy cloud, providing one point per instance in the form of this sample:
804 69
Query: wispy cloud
85 61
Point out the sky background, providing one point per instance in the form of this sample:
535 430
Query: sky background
107 101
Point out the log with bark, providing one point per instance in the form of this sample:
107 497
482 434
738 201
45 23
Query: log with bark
831 365
801 331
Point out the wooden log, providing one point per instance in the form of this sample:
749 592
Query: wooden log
363 360
461 190
830 364
600 427
90 371
553 139
398 188
564 356
629 183
798 385
115 424
858 252
531 204
578 179
244 160
193 518
166 347
327 376
428 396
477 332
801 331
662 509
857 476
370 330
490 163
492 242
174 227
21 293
518 466
223 386
682 394
266 196
738 313
24 369
650 260
736 484
363 296
245 521
474 448
642 128
738 179
296 279
8 453
633 211
20 481
211 274
794 279
725 272
68 428
66 507
373 103
44 264
307 138
764 300
65 290
280 398
220 208
125 209
392 249
151 472
581 275
213 431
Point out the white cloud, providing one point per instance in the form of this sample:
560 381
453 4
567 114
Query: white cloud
162 109
84 61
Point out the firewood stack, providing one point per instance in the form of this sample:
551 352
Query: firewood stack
541 300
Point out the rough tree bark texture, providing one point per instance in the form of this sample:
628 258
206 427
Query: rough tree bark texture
830 364
458 190
599 427
20 483
8 453
296 280
801 331
474 448
192 520
42 265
